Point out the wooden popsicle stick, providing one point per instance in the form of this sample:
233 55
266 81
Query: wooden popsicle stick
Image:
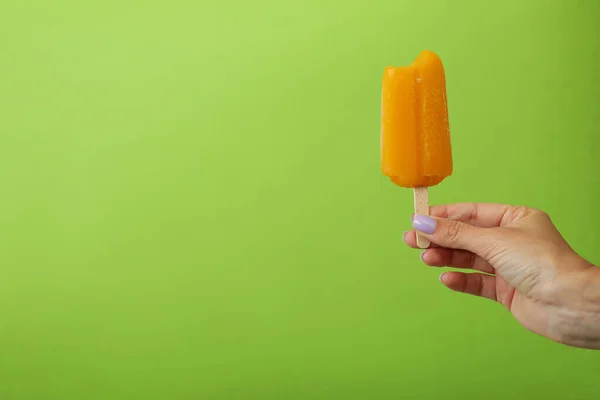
421 207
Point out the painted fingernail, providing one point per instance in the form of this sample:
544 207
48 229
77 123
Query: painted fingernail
424 224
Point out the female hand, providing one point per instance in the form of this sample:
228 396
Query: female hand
523 263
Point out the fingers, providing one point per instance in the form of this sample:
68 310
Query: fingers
456 259
457 235
485 215
410 238
442 257
475 284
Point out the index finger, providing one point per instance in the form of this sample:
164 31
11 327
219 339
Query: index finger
484 215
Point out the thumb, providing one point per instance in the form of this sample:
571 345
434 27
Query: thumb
454 234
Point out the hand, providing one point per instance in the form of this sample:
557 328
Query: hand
524 264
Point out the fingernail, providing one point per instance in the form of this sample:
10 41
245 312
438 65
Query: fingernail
404 236
422 254
424 224
441 277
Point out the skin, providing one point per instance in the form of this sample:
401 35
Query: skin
518 258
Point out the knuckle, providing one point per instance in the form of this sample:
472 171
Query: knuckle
536 212
493 248
489 245
453 231
521 211
479 285
543 215
473 213
516 213
471 259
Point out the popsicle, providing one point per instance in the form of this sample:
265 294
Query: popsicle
415 134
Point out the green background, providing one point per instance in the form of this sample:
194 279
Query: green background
191 202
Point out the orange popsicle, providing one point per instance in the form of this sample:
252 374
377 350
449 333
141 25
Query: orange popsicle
415 134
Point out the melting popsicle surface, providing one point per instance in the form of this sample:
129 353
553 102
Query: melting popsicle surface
415 134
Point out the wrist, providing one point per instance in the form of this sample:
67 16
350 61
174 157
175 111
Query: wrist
590 294
581 311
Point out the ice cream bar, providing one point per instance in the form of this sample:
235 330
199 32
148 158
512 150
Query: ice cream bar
415 134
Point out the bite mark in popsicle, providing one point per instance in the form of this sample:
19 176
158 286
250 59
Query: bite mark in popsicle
415 133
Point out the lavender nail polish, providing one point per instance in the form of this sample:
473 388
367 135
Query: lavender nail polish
424 224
